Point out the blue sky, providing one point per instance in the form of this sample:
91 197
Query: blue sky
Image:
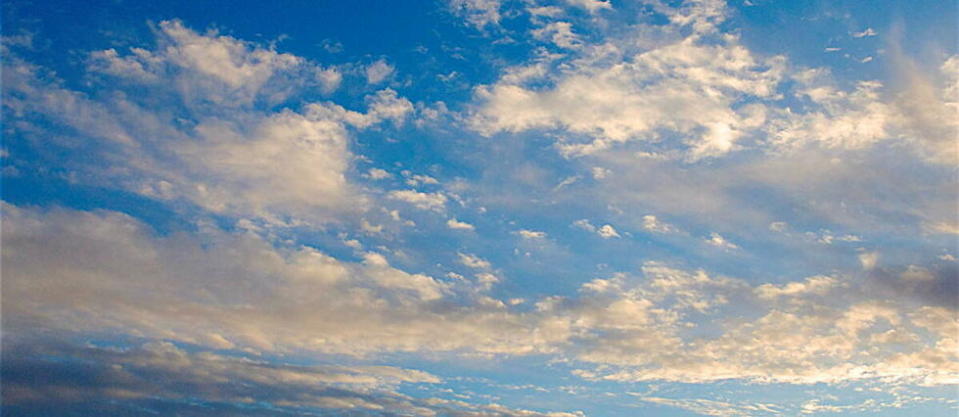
480 208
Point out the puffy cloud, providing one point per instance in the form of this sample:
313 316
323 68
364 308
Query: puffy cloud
213 68
378 71
473 261
652 224
378 174
607 232
844 334
479 13
618 92
458 225
592 6
698 93
918 109
853 119
423 201
207 132
819 285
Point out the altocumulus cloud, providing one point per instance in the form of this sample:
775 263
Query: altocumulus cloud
641 211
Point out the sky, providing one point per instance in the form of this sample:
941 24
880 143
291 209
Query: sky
540 208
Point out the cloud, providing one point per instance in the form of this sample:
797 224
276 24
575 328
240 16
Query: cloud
719 241
212 67
378 71
473 261
237 286
706 133
559 33
458 225
846 119
652 224
531 234
104 271
592 6
378 174
865 33
606 232
701 94
615 92
930 285
868 260
423 201
161 376
818 285
478 13
915 110
206 131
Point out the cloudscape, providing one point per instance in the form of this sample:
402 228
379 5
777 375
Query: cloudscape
480 208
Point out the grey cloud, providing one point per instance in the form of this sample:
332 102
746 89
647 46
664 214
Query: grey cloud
56 378
935 284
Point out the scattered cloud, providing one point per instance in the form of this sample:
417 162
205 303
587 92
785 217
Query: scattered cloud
719 241
865 33
423 201
378 71
458 225
652 224
531 234
478 13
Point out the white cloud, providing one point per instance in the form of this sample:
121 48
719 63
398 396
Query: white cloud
846 119
458 225
559 33
378 71
479 13
819 285
223 289
868 260
652 224
378 174
423 201
585 225
719 241
386 105
531 234
416 180
865 33
607 232
209 144
611 94
473 261
212 67
599 173
592 6
330 79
